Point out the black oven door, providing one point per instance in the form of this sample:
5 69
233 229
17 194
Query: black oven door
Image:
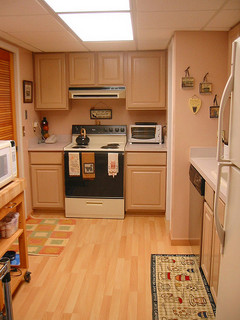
102 186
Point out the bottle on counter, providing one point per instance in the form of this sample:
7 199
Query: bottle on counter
44 128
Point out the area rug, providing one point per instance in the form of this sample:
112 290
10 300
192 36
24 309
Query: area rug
179 288
47 237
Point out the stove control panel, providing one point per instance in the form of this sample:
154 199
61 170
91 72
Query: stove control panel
118 130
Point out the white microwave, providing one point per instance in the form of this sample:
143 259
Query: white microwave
8 162
145 133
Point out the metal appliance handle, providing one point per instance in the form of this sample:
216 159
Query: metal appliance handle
224 100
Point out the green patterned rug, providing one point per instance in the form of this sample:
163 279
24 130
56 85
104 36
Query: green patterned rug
179 288
47 237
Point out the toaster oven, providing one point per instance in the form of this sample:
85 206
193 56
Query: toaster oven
145 133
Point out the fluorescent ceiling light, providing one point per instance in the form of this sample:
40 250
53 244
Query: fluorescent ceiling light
110 26
88 5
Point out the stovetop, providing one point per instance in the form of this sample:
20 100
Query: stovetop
102 138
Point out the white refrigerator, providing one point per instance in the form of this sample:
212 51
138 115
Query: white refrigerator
228 304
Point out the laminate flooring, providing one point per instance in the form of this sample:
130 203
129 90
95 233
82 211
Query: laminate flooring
103 273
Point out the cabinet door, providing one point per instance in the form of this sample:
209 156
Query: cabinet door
207 241
145 188
110 68
50 78
82 69
216 253
146 81
47 186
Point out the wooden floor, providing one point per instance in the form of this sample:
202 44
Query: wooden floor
103 273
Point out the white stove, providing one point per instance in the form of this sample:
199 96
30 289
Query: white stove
102 138
94 173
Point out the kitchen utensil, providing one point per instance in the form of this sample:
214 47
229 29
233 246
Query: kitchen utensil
83 139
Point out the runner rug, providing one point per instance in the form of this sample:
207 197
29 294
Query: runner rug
47 236
179 288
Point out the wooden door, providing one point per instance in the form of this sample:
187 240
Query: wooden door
50 77
145 188
110 68
82 68
207 241
7 97
47 186
146 81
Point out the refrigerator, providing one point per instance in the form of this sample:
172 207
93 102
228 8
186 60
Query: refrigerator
228 303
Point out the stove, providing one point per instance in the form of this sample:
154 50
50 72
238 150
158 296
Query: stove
94 173
110 138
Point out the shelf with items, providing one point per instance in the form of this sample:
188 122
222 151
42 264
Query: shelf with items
12 200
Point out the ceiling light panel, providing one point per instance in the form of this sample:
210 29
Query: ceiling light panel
111 26
88 5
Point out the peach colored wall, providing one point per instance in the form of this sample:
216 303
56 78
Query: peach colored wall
60 122
26 73
203 52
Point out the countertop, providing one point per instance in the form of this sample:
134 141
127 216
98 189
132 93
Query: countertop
62 141
144 147
204 160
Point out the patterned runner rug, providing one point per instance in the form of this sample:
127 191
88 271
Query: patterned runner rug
179 288
47 236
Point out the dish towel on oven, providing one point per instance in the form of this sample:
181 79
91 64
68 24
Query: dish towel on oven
74 164
88 165
112 164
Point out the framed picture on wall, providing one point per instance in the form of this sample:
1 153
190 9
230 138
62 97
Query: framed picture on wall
27 91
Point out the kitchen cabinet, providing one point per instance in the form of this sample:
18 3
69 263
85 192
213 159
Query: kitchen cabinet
207 241
50 82
211 247
47 180
102 68
12 200
146 80
145 181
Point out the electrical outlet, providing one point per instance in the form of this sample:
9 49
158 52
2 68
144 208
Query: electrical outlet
35 125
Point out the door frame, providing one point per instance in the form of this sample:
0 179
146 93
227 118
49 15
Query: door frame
18 105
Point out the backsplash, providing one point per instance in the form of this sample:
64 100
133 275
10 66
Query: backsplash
60 122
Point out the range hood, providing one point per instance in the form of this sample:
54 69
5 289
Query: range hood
97 93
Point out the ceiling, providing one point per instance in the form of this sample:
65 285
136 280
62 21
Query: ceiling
33 25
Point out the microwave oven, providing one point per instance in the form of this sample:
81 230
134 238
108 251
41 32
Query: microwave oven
8 162
145 133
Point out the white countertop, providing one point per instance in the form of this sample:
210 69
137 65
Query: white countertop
204 160
145 147
62 141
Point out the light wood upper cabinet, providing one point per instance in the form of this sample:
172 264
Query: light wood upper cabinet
50 81
102 68
82 68
146 80
110 68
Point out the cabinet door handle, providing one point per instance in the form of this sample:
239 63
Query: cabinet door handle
10 205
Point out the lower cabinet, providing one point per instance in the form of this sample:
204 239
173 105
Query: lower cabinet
211 247
145 182
47 180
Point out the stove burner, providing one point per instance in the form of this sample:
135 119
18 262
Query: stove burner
78 146
111 146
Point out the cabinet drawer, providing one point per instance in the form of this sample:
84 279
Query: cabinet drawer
46 157
209 195
147 159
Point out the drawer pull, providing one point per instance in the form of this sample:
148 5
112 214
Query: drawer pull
10 205
94 203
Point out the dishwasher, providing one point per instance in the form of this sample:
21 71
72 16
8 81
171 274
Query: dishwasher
196 200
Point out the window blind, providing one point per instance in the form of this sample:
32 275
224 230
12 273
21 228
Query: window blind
7 107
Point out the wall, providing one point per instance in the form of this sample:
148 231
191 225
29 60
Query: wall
23 70
203 52
60 122
26 73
